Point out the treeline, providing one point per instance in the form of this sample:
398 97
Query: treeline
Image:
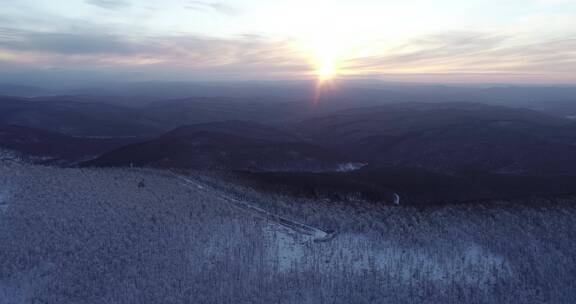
416 187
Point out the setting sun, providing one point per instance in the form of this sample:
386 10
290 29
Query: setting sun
326 69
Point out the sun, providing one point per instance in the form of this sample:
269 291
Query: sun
326 69
325 54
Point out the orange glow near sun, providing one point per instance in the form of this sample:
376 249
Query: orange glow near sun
326 69
326 73
325 55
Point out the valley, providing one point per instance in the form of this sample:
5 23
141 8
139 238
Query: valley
287 152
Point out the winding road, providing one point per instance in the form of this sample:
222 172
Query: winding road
317 235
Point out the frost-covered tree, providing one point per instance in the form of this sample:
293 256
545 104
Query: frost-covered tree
99 236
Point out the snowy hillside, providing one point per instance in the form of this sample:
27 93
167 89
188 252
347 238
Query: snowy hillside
135 236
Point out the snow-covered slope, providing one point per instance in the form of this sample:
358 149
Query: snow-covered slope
135 236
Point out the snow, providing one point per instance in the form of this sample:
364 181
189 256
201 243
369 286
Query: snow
314 233
348 167
94 236
8 155
470 265
4 199
396 199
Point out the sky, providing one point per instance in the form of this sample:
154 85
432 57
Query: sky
439 41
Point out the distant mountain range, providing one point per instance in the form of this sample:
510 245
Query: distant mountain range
76 118
444 137
450 151
50 147
231 145
450 137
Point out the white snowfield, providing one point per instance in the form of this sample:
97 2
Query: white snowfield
141 236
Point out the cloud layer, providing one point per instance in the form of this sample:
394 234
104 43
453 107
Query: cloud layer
106 37
447 53
109 4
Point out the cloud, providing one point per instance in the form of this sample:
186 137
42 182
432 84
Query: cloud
557 1
473 52
63 43
167 55
211 6
95 49
109 4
